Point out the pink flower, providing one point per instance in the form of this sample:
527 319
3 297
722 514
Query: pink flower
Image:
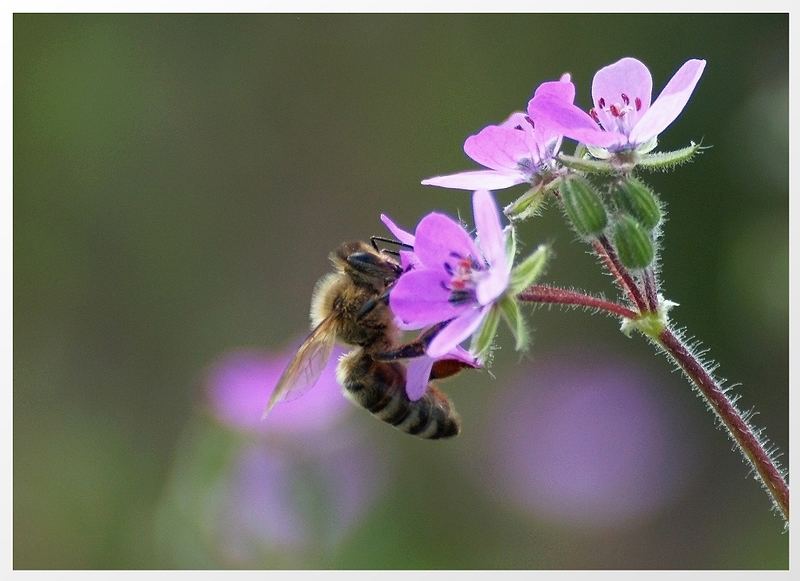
407 257
418 369
513 151
622 117
456 279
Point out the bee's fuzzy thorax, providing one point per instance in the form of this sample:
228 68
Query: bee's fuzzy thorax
322 299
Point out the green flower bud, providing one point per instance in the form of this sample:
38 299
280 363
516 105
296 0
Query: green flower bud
633 242
634 198
583 206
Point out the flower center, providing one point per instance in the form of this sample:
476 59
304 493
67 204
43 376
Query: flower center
618 116
462 271
541 158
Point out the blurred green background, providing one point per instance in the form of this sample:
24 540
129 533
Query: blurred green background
180 179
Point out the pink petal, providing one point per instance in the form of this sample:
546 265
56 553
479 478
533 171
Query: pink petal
438 239
561 90
408 259
456 332
476 180
627 75
397 232
419 299
461 354
569 120
418 374
669 103
517 119
490 232
492 285
499 148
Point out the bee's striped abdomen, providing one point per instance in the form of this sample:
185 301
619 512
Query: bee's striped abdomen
380 388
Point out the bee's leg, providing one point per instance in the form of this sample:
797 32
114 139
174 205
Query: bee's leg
370 305
415 348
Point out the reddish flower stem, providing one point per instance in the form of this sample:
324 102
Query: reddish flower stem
735 424
650 289
624 280
740 431
542 293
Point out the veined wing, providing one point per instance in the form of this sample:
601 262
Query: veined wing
305 369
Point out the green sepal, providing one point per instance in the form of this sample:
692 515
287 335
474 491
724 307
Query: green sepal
527 205
583 206
598 152
648 147
511 243
650 324
633 197
529 270
483 339
586 165
634 243
516 322
667 160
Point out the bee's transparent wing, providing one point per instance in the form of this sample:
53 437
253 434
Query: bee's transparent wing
305 369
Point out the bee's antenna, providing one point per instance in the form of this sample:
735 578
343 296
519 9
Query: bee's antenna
375 239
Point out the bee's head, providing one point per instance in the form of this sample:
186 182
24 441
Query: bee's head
364 264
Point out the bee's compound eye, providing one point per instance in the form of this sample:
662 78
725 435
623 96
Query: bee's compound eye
364 261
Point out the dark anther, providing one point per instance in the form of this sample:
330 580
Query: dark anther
461 296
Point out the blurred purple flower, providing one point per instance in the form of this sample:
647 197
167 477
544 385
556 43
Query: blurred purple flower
240 382
586 441
513 151
622 117
454 280
278 501
261 501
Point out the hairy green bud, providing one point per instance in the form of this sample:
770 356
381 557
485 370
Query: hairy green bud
634 198
633 242
584 206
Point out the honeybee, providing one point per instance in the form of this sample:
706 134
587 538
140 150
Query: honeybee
351 305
